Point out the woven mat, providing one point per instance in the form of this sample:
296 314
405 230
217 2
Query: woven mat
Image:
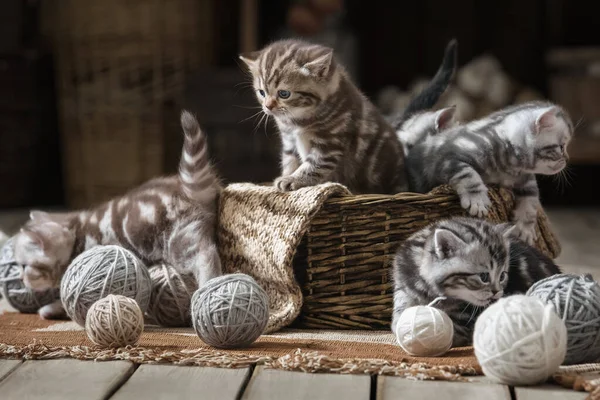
350 352
583 377
259 231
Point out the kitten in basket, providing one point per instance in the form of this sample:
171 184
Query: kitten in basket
330 131
507 148
169 219
469 261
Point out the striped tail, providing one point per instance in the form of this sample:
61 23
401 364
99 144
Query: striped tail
199 182
431 94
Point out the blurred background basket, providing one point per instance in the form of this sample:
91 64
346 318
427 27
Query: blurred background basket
343 263
122 68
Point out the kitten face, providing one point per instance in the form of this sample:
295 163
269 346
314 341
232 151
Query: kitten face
44 246
473 272
553 132
292 78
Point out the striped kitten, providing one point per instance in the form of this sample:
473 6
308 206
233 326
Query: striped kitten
329 130
170 219
506 148
470 262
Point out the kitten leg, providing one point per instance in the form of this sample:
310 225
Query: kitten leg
471 189
317 168
289 158
53 310
525 213
401 303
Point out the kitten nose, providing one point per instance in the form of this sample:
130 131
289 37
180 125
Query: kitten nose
270 103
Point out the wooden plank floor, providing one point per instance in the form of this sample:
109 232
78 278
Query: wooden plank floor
577 230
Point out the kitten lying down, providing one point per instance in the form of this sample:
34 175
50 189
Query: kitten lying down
469 261
507 148
168 219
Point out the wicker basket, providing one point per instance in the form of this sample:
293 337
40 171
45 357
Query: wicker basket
343 263
121 69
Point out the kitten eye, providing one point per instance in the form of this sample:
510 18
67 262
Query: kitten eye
485 277
284 94
262 92
562 148
503 276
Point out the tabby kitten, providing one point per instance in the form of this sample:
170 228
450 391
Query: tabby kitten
329 130
469 261
506 148
423 124
169 219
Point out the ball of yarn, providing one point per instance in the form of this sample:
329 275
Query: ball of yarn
576 300
14 290
114 321
171 296
519 340
230 311
98 272
424 331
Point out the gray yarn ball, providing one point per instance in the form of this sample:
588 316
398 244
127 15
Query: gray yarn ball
170 300
230 311
98 272
14 290
576 300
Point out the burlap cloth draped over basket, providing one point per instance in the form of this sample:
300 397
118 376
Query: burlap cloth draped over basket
323 255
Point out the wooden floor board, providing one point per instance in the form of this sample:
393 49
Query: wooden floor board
392 388
7 366
548 392
65 379
269 384
158 382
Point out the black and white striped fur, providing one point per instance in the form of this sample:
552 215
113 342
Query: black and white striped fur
469 261
506 148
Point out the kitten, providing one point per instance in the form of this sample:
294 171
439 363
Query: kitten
329 130
469 261
421 125
169 219
506 148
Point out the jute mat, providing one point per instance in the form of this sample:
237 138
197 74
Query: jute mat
259 231
583 377
26 336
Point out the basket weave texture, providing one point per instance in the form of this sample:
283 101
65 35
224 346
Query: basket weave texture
323 255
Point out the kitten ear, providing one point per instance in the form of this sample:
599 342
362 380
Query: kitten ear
545 120
38 216
446 243
444 118
507 229
250 58
320 65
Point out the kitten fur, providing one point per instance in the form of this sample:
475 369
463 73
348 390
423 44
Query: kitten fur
168 219
506 148
429 96
469 261
329 130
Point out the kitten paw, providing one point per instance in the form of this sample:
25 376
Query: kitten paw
476 204
289 183
526 232
52 311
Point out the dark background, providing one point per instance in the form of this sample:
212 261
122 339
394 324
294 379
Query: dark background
91 91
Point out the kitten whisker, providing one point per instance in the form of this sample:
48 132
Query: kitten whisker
252 116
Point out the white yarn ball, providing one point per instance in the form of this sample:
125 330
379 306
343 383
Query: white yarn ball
519 340
424 331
